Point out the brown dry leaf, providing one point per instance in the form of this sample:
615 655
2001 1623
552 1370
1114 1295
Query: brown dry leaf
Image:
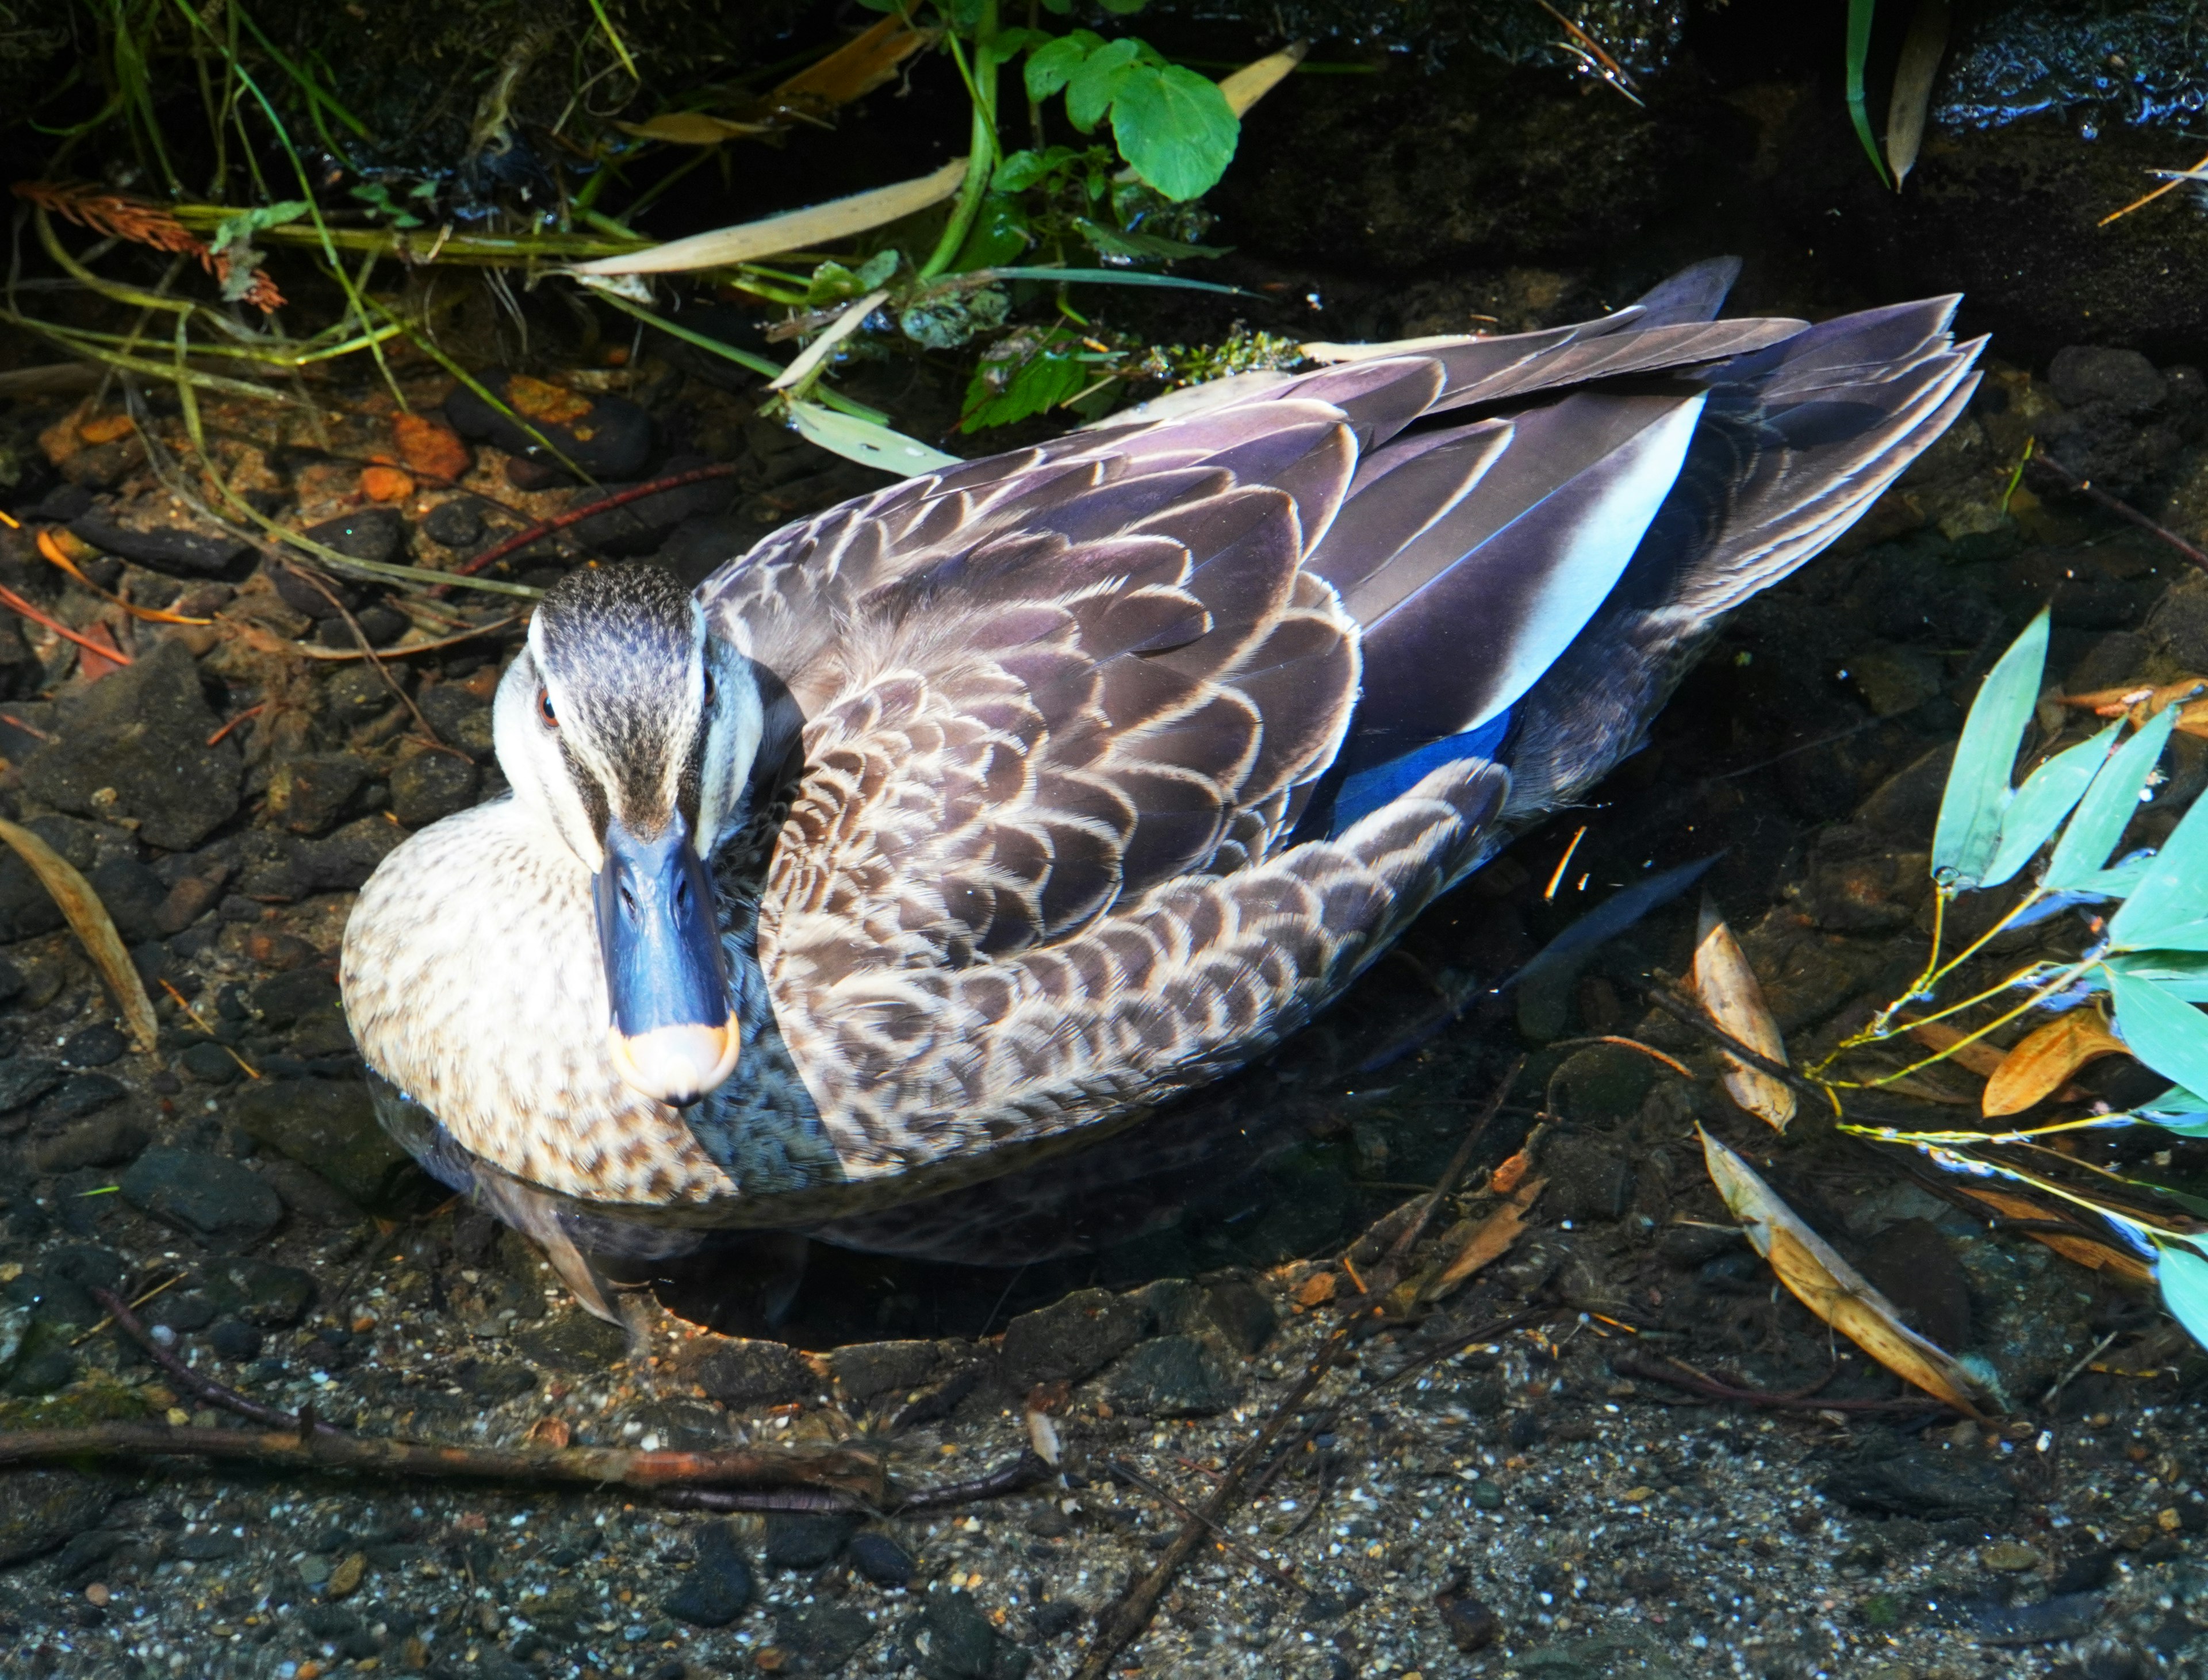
1830 1287
1914 73
1487 1241
1318 1289
1507 1177
2083 1250
1981 1058
855 68
693 127
795 230
2044 1057
2140 700
1727 989
549 1432
95 929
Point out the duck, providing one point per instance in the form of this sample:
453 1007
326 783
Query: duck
976 822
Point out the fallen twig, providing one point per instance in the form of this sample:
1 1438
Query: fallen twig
521 539
1127 1472
1389 1272
1681 1377
2123 510
17 603
1011 1477
215 1393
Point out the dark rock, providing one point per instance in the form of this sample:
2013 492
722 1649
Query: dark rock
459 718
81 1558
376 535
820 1639
105 1140
181 554
208 1064
1919 1482
79 1094
879 1559
1069 1338
183 1310
325 1124
141 735
133 895
261 1292
805 1539
235 1340
210 1196
494 1383
343 861
284 1000
457 524
1589 1178
1055 1618
951 1639
606 437
1913 1266
1471 1625
2087 1572
188 900
26 907
99 1045
42 1372
382 626
355 696
307 794
1324 1603
41 1508
701 545
640 526
746 1376
1238 1309
307 1193
210 1546
1171 1376
575 1344
2071 1616
2082 373
719 1585
868 1370
430 786
24 1080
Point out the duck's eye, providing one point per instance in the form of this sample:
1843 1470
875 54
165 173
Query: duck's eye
544 709
708 691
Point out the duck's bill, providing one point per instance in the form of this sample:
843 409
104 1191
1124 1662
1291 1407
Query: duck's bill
672 1035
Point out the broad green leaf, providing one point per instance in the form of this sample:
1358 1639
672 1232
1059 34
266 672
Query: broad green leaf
2186 936
1968 829
866 443
1000 234
1091 90
1022 170
2182 973
2183 1275
997 396
1050 68
2164 1031
2047 795
1177 129
2173 891
2107 807
1117 242
2177 1110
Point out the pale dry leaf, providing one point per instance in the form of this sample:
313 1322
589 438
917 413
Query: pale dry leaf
1821 1280
793 231
1914 73
2044 1057
693 127
1250 84
834 333
1487 1241
1727 990
94 928
1981 1058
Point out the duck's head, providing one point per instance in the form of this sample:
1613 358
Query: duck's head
631 731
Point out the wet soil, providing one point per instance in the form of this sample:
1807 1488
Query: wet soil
1539 1500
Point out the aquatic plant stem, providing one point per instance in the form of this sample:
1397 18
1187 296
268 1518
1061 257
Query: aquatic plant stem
982 155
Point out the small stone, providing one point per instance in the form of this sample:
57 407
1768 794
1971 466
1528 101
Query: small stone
209 1547
1171 1376
719 1585
381 625
79 1094
879 1559
2009 1558
1055 1618
804 1539
210 1196
345 1577
952 1639
431 447
208 1064
2081 374
456 523
104 1140
387 484
314 1570
327 1125
746 1376
1240 1313
181 554
459 718
606 437
24 1080
95 1047
866 1370
235 1340
431 786
1070 1339
1471 1625
188 900
309 793
41 1508
376 535
820 1639
1920 1482
133 895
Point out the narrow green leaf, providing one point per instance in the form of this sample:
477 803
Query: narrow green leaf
1860 15
2173 890
1968 829
2183 1275
866 443
2182 973
1176 129
1118 276
1095 84
2186 936
2107 807
2047 795
2177 1110
1050 68
2164 1031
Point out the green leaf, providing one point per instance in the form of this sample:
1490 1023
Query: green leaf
999 233
1058 7
239 230
2173 891
2177 1110
2164 1031
2183 1275
1119 242
1050 68
1177 129
1121 277
1860 15
1089 92
864 441
1969 829
1022 170
2107 807
997 398
2047 795
1123 7
2182 973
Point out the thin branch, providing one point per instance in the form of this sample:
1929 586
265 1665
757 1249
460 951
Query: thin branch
2123 510
1708 1387
521 539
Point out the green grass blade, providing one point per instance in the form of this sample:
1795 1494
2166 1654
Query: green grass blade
1969 829
866 443
2164 1031
1117 277
1860 15
2173 891
2107 807
2047 795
